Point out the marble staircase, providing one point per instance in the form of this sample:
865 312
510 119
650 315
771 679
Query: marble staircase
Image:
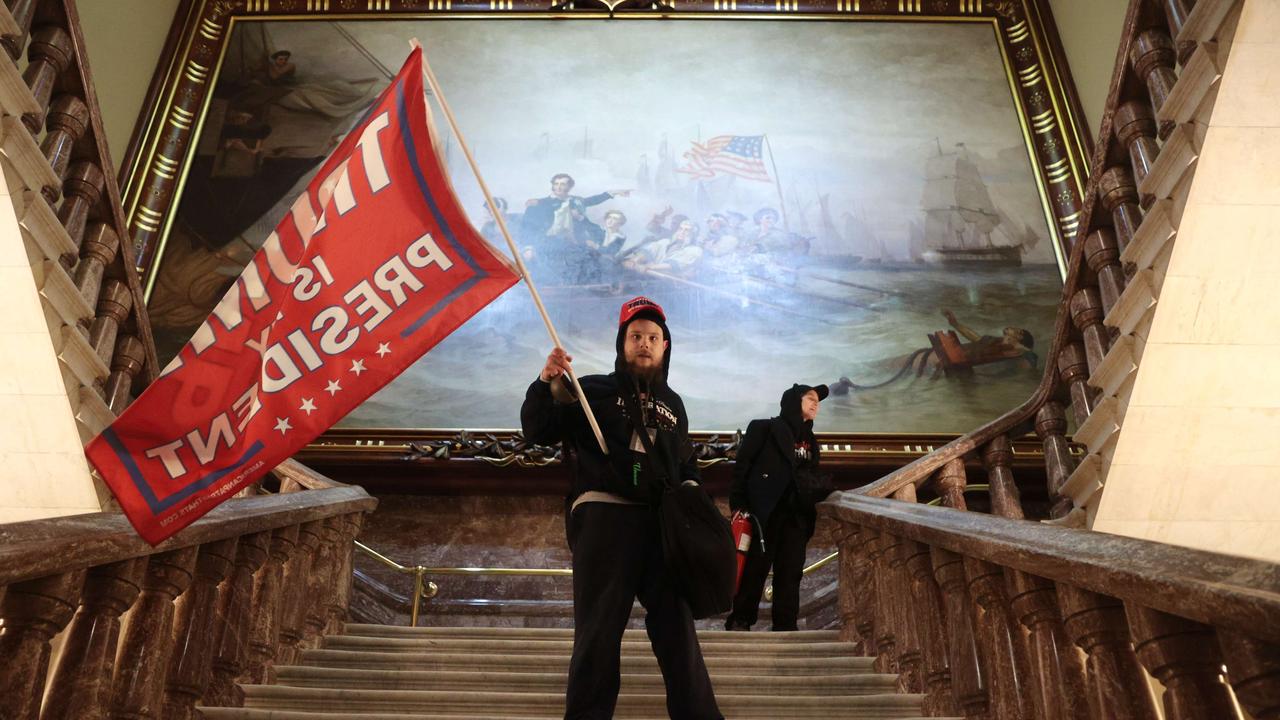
380 671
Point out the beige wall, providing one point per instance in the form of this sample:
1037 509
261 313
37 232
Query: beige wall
1198 459
124 39
43 471
1090 32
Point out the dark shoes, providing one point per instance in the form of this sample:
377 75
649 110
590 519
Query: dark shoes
735 625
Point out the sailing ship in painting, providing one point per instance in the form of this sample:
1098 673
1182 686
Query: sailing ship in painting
961 224
706 237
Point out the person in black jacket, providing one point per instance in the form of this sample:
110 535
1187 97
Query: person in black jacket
612 521
775 480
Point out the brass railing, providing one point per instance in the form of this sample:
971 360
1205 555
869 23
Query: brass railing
424 589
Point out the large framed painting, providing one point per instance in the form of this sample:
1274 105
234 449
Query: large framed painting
869 194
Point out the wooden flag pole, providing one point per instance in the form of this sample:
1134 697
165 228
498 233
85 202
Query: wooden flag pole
506 234
777 183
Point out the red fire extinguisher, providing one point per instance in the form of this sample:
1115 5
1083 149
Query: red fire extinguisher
742 540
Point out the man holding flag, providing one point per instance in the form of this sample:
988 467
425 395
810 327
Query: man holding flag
613 524
373 265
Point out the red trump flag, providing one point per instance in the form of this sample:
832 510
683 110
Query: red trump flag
371 267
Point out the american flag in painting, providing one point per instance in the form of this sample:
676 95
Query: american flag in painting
741 155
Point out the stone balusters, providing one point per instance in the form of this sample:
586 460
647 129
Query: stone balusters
1056 671
22 12
127 362
268 592
193 641
138 687
1051 427
1135 128
82 190
950 483
911 677
1086 314
906 632
68 119
1176 13
924 602
1115 686
31 613
81 685
1254 673
232 618
850 586
296 576
885 632
999 641
48 57
865 592
997 456
1183 656
113 309
1102 253
968 677
323 577
98 251
341 597
1119 195
1152 56
1073 369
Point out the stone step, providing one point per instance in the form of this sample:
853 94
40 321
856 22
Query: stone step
548 681
631 663
257 714
704 636
761 644
543 705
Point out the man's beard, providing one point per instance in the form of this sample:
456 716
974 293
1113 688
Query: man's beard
648 373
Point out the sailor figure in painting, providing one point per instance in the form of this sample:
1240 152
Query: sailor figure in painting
953 358
556 232
561 215
1013 344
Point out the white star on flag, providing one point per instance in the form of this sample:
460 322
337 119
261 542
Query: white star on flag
357 367
384 349
333 388
308 405
282 424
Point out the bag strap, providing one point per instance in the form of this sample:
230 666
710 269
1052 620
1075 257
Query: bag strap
637 420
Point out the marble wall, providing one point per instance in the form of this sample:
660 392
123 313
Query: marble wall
505 532
1197 459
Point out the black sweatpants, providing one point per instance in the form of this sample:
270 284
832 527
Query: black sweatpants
617 557
784 541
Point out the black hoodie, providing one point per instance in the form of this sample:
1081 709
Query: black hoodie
623 472
772 454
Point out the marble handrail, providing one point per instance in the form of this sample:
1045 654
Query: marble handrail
987 616
240 590
42 547
1227 591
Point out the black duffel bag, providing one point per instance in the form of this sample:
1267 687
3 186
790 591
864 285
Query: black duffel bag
697 546
697 541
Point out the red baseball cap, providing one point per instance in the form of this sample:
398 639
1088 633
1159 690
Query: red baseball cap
637 305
